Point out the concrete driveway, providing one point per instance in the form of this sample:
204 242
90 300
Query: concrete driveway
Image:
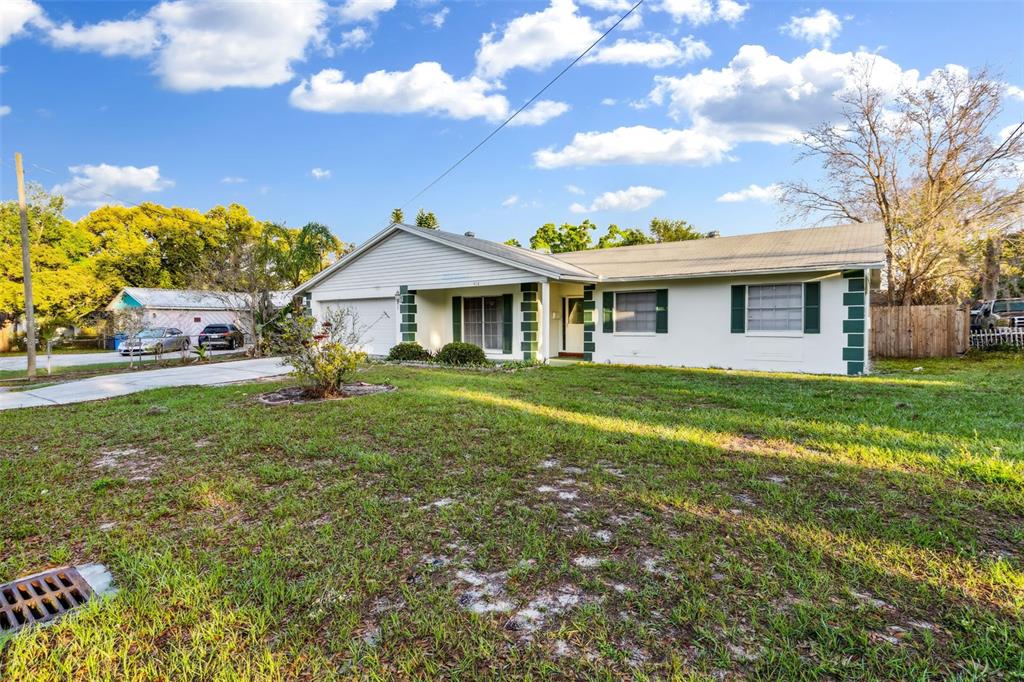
16 362
112 385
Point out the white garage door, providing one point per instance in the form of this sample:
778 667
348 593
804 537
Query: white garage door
377 322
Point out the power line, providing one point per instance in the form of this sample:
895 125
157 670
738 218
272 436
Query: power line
518 111
433 182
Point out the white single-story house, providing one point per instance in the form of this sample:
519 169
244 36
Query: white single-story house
790 300
187 309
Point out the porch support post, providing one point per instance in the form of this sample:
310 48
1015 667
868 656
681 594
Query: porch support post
529 324
589 308
855 301
407 309
545 320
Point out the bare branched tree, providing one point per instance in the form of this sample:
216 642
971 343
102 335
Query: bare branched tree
246 281
130 322
927 164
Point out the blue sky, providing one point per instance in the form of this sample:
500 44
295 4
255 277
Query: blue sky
685 111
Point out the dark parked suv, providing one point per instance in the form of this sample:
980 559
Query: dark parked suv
221 336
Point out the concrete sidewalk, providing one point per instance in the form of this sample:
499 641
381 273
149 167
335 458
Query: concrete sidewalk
19 362
112 385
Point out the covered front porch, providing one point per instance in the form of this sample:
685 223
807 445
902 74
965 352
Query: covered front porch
528 320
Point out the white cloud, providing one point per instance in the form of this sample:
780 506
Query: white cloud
357 38
607 5
353 11
635 145
94 185
819 28
656 53
15 15
426 87
320 173
698 12
512 200
630 199
761 97
131 37
757 97
1014 92
609 101
232 180
4 110
766 194
540 112
535 41
630 23
214 46
573 189
200 45
694 49
437 19
731 11
1004 134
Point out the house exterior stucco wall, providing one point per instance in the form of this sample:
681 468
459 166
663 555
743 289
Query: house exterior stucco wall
699 331
434 317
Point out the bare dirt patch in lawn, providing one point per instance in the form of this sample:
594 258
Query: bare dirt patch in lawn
131 463
299 395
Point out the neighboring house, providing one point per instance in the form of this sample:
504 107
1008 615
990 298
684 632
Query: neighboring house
792 300
185 309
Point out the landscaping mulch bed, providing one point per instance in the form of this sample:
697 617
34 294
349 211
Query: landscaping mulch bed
297 395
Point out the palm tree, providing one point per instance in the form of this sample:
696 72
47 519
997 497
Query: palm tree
297 254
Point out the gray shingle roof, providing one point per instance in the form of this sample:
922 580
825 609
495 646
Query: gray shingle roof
194 299
821 248
858 245
516 254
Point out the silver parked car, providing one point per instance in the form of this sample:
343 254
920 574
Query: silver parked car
157 340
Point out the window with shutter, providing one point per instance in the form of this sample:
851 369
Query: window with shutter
636 311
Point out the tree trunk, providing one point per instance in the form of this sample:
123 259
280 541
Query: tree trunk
990 271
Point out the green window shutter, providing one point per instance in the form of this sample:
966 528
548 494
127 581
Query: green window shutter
456 318
739 308
661 311
607 305
812 307
506 326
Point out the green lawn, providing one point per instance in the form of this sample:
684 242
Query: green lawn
585 521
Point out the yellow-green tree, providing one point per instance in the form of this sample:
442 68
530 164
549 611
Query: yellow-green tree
64 281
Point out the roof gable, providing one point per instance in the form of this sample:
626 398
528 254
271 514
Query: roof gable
522 259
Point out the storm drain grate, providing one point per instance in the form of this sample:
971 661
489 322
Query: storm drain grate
41 597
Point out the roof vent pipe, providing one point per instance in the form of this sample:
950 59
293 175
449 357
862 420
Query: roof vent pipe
470 234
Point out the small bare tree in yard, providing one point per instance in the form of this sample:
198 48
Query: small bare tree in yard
245 280
130 322
928 165
324 354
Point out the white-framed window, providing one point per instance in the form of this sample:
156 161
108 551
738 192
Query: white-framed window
775 307
482 322
636 312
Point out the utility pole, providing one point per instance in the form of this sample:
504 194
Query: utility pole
26 268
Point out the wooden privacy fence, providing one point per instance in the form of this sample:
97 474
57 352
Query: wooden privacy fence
6 337
920 331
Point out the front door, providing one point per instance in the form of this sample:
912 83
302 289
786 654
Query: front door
572 325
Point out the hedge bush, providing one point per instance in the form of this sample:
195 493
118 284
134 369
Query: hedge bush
459 353
409 351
